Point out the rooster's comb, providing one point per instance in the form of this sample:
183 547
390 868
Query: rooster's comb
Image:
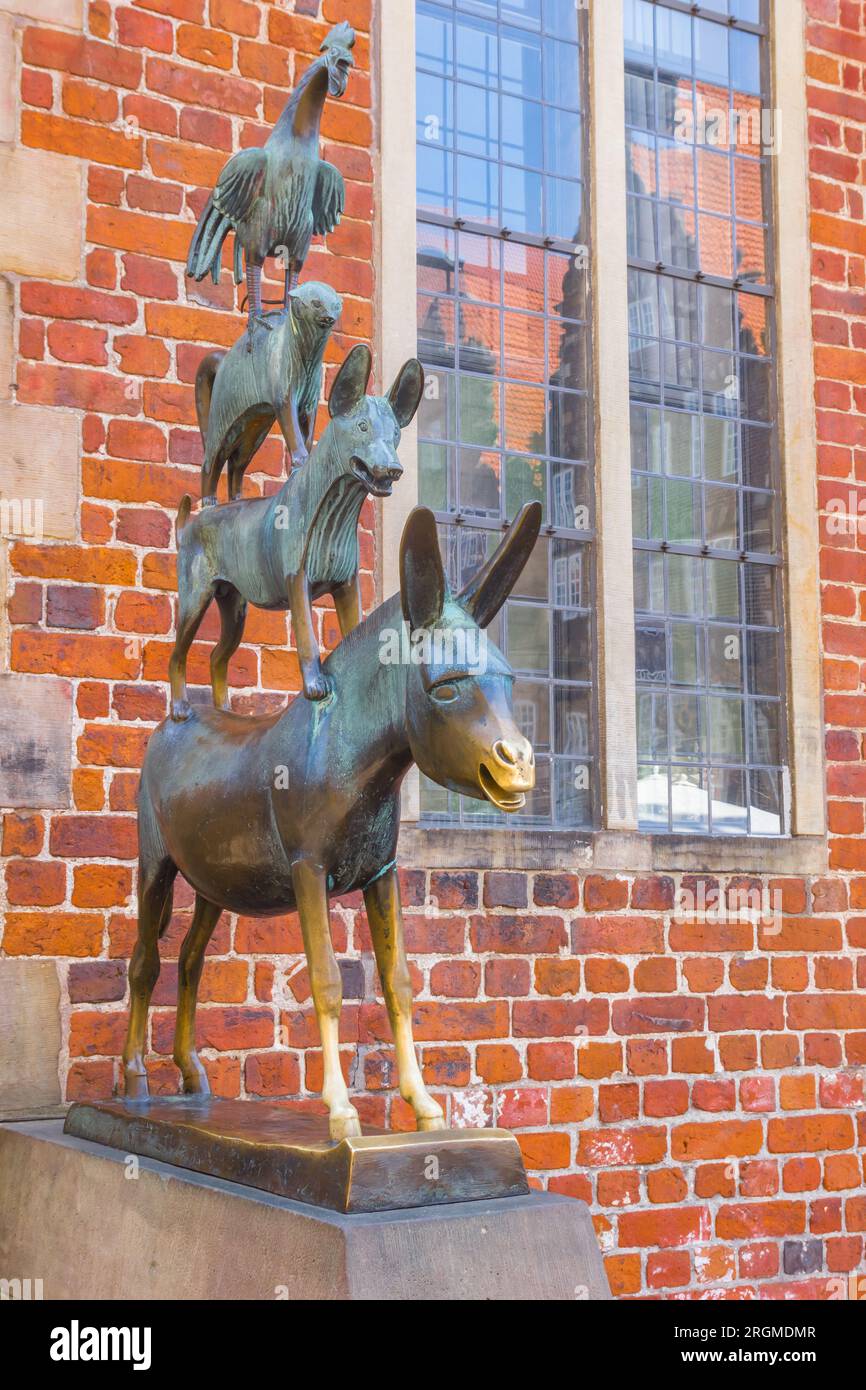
341 36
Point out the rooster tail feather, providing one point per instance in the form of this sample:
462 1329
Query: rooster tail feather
211 250
206 246
195 244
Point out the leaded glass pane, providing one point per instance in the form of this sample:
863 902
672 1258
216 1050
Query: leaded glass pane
709 668
502 332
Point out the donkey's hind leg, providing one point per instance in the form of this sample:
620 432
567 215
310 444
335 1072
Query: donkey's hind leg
156 882
204 919
233 612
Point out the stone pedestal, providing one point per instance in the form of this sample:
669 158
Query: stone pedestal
94 1223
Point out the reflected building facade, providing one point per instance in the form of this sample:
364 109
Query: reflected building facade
503 334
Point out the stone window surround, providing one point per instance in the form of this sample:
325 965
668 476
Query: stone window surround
617 844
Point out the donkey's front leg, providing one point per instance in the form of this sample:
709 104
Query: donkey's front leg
311 893
384 912
189 966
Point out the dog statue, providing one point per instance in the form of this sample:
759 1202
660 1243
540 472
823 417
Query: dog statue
287 550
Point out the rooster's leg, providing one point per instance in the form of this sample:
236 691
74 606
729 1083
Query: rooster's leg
292 276
254 302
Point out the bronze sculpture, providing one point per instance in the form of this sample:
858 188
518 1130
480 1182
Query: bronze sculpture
240 394
284 551
265 814
277 197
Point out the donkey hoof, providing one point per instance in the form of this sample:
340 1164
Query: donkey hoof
428 1122
181 710
345 1126
195 1081
135 1085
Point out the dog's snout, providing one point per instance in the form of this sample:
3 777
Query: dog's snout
389 471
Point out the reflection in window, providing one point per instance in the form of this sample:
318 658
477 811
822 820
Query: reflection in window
711 726
502 332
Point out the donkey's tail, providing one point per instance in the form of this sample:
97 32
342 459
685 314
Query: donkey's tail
183 512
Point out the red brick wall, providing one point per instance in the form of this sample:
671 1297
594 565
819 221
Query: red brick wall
701 1084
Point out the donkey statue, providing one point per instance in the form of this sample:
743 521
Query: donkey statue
271 813
286 550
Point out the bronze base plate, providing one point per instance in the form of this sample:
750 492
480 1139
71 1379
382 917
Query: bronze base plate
291 1155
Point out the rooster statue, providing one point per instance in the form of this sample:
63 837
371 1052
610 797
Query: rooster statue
276 198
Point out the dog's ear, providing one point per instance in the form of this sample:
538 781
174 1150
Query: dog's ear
350 383
405 395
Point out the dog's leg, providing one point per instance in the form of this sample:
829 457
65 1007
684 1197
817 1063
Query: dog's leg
192 608
233 611
316 684
347 601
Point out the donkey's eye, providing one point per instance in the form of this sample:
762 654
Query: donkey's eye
444 694
363 426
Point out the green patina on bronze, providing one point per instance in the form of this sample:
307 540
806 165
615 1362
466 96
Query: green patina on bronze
263 815
239 394
277 198
266 814
287 550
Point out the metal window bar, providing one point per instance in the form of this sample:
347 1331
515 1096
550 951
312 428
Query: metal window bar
456 520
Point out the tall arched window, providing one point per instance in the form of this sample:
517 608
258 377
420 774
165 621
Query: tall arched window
503 310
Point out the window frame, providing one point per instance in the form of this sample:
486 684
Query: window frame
617 844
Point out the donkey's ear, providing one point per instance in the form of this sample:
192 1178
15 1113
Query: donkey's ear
405 395
485 594
350 383
423 586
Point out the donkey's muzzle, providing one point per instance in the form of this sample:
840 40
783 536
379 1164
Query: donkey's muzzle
508 772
